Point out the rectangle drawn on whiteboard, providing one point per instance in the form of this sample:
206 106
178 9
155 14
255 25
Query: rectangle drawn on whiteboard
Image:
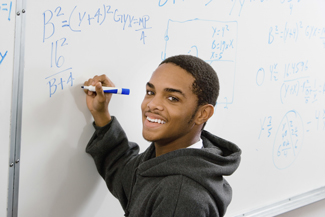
216 45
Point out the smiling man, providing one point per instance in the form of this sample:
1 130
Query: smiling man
181 172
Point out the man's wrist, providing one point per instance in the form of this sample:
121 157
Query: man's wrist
102 119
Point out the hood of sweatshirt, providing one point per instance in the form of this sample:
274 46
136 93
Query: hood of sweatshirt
206 166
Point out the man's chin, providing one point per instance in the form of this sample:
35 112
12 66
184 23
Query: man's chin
147 137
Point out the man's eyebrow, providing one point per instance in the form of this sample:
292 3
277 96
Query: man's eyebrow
169 90
150 85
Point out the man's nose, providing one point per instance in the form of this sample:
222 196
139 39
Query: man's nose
155 103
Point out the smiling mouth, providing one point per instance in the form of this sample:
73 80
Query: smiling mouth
155 120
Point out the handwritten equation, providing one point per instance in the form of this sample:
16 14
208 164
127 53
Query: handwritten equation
293 32
297 82
288 136
76 20
63 74
216 45
283 72
310 90
315 123
238 5
6 10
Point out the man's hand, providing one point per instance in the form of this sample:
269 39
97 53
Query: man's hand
98 101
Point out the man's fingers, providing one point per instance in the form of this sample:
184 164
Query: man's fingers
100 92
98 81
104 80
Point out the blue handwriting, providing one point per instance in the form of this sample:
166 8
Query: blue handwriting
310 90
7 7
61 73
76 19
288 140
294 31
283 72
266 126
2 56
295 80
317 122
57 63
239 4
55 84
162 3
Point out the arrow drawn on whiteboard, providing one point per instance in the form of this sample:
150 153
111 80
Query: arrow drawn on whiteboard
2 56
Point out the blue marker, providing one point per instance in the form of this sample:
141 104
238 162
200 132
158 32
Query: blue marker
115 90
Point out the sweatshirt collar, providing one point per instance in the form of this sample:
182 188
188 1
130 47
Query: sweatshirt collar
197 145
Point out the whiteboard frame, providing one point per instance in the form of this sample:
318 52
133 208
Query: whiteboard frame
287 204
16 109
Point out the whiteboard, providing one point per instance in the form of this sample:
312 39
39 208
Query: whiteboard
7 26
269 56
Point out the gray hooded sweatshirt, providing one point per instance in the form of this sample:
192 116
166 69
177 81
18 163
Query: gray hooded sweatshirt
186 182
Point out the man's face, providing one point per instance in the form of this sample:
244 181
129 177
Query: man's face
169 105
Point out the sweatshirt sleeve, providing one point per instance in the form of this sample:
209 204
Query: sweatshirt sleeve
112 153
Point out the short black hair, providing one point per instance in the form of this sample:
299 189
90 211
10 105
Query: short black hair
206 83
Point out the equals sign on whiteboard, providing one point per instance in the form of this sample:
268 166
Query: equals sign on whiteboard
65 23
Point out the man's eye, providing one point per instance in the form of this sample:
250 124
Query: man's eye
150 92
173 99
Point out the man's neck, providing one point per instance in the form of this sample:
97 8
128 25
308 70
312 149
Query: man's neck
163 148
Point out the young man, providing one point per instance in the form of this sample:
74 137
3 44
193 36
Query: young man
181 173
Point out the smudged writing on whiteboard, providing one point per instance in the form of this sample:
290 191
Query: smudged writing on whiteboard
238 5
6 9
162 3
317 122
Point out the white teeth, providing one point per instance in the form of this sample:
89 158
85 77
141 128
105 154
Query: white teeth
156 120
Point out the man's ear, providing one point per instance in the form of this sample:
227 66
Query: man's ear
204 113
